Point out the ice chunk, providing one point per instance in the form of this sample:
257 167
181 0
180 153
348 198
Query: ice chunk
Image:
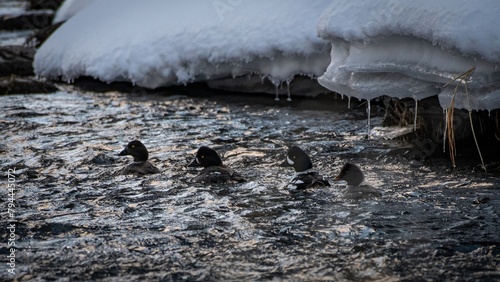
487 98
412 49
390 132
467 27
415 58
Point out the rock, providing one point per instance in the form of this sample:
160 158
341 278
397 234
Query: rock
29 20
24 85
45 5
16 60
431 124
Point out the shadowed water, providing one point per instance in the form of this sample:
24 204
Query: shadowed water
77 220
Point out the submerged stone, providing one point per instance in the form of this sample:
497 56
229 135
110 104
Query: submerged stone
24 85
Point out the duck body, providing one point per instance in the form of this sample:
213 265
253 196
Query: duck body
354 177
361 192
308 180
141 165
218 174
214 171
140 168
305 177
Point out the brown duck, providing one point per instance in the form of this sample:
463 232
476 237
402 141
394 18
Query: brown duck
353 175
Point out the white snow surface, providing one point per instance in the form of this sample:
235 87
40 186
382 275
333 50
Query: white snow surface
413 49
164 42
69 8
378 47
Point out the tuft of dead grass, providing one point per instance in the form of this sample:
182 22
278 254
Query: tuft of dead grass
450 130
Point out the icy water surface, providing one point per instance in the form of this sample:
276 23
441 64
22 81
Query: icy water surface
76 220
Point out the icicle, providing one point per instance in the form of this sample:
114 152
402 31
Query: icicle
368 111
415 117
445 129
348 102
289 99
277 94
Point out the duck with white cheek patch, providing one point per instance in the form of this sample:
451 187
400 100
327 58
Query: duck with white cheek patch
305 177
213 169
354 177
141 165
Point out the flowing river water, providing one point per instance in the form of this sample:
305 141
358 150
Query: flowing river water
75 219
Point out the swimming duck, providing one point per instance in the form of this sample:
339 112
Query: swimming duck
213 169
141 165
353 175
304 177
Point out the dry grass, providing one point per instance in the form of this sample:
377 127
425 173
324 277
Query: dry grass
449 129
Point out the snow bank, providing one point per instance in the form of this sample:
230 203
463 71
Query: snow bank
69 8
159 43
413 48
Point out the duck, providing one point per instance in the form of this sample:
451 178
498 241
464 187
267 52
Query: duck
354 177
141 165
214 171
305 177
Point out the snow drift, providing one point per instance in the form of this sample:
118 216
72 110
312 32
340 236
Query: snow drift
378 47
159 43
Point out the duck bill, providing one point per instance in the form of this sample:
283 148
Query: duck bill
285 163
341 176
124 153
